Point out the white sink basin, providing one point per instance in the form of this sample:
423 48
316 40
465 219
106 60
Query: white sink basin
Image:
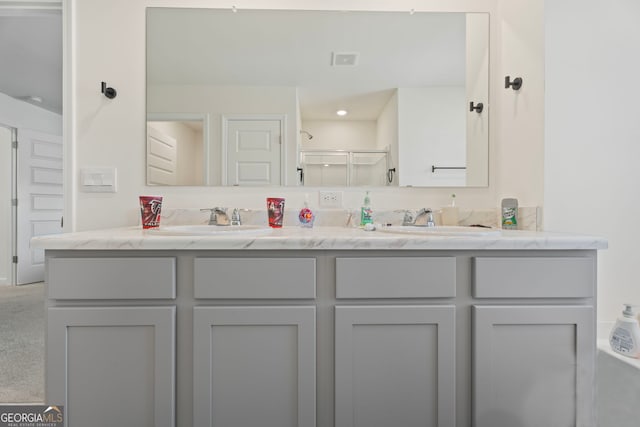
210 230
441 230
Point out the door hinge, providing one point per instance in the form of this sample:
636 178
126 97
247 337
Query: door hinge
14 144
14 202
15 259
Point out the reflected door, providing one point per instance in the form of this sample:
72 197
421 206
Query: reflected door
254 152
161 158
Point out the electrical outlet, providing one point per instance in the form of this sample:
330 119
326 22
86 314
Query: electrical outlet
330 199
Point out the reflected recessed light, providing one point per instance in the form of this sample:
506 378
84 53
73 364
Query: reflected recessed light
341 112
326 166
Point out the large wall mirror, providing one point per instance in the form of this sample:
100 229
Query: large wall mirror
317 98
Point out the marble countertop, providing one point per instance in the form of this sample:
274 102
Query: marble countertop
317 238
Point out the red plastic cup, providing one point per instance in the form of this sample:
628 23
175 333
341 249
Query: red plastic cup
150 207
275 210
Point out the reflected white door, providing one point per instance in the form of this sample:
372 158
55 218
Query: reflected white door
254 152
40 198
161 158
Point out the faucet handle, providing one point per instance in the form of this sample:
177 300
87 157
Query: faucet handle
214 219
214 210
408 218
235 217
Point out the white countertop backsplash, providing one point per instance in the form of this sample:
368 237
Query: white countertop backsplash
333 229
528 217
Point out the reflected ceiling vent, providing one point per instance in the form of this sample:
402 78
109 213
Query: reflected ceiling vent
348 59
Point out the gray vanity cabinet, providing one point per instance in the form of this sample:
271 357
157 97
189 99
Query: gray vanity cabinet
395 366
395 363
534 344
112 366
111 337
533 366
322 338
254 366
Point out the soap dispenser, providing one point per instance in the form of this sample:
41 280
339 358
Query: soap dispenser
306 216
450 213
625 336
366 214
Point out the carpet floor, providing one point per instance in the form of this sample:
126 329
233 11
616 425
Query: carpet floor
22 344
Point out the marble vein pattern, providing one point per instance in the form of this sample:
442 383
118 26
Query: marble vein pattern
320 237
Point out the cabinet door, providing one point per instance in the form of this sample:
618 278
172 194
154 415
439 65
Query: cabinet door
395 366
254 366
112 366
533 366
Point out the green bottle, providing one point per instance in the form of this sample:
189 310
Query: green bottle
366 214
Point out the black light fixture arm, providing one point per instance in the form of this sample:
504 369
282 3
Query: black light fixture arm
109 92
477 108
390 173
516 84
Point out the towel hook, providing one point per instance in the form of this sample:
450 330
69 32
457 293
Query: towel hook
109 92
516 84
477 108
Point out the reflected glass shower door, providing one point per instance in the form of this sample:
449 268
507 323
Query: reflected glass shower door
368 169
325 169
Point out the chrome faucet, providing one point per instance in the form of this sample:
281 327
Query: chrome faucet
423 218
218 216
235 217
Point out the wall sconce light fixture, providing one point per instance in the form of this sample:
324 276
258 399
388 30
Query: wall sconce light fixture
477 108
109 92
516 84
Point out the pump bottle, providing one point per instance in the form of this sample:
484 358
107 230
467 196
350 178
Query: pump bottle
625 336
366 214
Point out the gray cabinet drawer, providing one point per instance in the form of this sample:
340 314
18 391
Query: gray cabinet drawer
255 278
111 278
390 277
544 277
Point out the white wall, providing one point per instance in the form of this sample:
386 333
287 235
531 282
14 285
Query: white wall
112 133
592 148
477 91
520 133
387 133
339 135
432 128
19 114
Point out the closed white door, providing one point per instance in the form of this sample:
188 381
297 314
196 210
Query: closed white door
40 199
6 194
161 158
254 152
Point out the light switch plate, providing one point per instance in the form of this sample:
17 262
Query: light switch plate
99 180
